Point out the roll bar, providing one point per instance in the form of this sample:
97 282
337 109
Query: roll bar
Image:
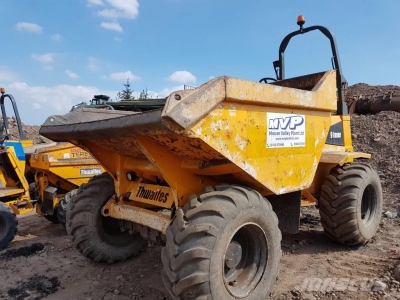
4 125
341 83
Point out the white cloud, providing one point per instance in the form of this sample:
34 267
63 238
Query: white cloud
36 105
152 94
43 58
182 77
6 75
128 9
42 98
47 67
71 74
93 64
168 91
109 13
111 26
95 2
114 10
57 37
122 76
30 27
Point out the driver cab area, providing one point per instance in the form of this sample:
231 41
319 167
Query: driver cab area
305 82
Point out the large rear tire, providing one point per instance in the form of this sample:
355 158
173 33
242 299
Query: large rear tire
96 237
8 225
223 244
351 204
64 207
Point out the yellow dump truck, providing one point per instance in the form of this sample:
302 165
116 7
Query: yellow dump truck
217 174
44 175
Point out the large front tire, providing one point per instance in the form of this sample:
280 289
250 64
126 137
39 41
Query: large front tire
8 225
351 204
64 207
96 237
223 244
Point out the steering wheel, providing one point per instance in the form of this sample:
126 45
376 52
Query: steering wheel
265 79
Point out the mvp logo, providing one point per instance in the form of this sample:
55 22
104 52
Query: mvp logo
285 123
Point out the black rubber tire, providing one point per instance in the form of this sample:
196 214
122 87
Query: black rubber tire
64 207
351 204
198 237
96 237
8 225
396 273
53 218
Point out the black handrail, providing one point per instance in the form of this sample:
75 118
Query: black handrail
341 82
5 126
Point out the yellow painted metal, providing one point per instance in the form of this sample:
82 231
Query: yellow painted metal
63 165
347 133
63 151
42 182
219 133
9 191
73 165
346 130
236 127
181 180
202 167
188 107
154 220
141 166
14 189
341 158
321 173
18 167
26 208
110 160
321 97
308 199
26 143
239 132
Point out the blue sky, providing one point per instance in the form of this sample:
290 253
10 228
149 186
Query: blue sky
58 53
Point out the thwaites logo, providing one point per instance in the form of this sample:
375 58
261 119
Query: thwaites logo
152 195
286 130
91 171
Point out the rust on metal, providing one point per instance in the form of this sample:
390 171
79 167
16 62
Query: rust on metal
374 104
152 219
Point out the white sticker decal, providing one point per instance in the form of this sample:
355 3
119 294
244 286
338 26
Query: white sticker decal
66 155
286 130
91 171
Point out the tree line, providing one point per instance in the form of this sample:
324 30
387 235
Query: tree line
127 93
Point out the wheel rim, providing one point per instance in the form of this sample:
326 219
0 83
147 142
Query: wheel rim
368 205
245 260
111 231
3 227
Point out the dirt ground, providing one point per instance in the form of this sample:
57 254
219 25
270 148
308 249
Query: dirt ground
41 263
54 270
